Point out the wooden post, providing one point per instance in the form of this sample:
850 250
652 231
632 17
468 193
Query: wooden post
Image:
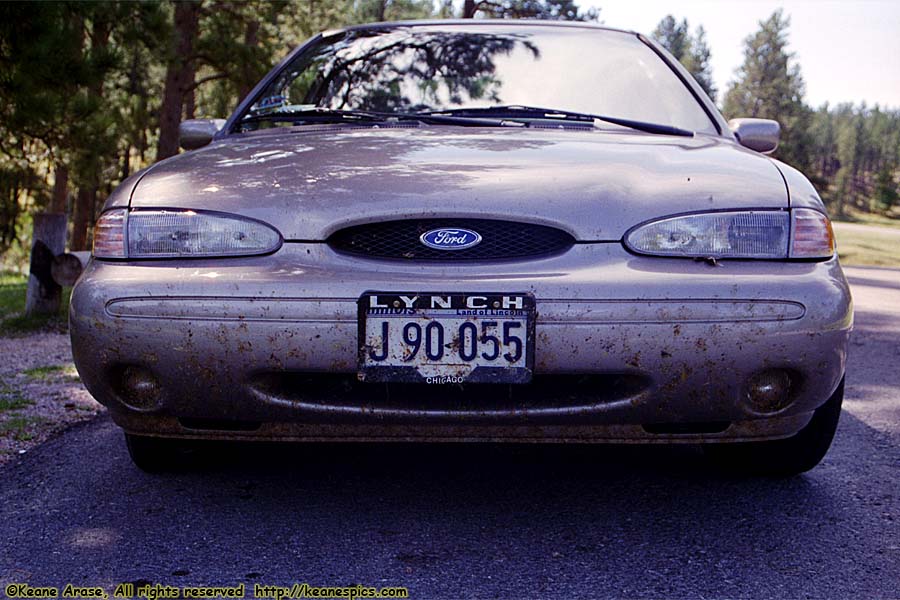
42 296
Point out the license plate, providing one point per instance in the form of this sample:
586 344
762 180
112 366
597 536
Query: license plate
446 338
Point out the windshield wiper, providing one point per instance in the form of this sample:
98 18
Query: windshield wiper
311 114
328 115
513 111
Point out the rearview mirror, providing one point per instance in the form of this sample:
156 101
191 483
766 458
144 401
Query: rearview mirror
757 134
196 133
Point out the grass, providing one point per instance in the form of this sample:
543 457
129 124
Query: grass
13 402
20 427
51 372
12 293
11 399
864 218
12 423
867 247
13 320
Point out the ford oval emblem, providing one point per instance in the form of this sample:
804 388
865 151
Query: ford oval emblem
450 238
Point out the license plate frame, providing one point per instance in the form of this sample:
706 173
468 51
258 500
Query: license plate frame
476 307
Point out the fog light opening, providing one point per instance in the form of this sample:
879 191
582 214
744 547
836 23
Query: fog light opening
139 389
770 391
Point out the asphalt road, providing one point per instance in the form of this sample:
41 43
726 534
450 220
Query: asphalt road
483 521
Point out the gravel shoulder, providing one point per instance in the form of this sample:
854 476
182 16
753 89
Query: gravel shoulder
40 392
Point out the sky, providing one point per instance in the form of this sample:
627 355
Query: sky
848 50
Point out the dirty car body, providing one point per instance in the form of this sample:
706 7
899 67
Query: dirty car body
387 241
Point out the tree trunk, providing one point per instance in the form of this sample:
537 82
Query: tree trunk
126 163
49 239
470 7
86 199
59 201
9 211
82 216
179 76
190 103
249 75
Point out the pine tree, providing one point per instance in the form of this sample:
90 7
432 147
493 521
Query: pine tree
393 10
691 51
673 36
553 10
698 62
769 86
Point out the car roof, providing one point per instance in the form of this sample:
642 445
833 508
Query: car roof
455 22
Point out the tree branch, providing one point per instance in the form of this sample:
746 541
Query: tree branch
206 79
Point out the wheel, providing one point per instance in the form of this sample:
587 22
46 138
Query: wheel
153 454
790 456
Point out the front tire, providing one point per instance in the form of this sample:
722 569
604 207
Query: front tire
790 456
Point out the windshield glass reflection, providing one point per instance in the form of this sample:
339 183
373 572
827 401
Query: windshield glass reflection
427 68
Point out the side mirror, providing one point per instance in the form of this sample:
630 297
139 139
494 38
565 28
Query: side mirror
196 133
757 134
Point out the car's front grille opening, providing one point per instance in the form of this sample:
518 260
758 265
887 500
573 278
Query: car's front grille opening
500 240
686 428
219 424
567 394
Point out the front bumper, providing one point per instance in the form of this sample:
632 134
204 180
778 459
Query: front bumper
628 348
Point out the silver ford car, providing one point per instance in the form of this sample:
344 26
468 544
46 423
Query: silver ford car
470 230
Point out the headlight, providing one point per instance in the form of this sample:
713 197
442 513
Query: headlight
180 234
760 234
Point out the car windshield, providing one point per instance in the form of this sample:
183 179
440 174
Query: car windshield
433 68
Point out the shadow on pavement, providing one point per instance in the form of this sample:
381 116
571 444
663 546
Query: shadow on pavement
874 282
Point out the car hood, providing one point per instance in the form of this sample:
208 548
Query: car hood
594 184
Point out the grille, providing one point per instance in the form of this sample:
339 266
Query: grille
501 240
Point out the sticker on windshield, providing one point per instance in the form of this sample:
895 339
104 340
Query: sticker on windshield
272 102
